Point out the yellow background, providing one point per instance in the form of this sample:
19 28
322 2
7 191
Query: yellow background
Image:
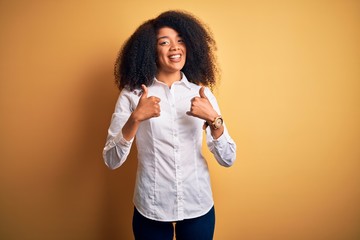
290 95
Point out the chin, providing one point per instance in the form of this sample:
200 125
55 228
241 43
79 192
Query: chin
175 69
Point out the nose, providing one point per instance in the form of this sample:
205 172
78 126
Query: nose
174 47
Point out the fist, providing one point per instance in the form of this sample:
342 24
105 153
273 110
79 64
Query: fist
202 108
148 107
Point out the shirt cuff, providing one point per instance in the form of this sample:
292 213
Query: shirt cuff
120 140
223 139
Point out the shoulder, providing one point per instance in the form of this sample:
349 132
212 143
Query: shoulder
126 93
128 98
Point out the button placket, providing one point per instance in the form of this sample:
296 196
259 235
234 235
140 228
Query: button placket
178 173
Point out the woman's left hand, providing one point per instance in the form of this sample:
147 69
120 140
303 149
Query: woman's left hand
202 108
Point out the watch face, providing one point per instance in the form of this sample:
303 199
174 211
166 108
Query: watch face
218 122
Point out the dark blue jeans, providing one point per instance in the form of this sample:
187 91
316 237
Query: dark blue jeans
200 228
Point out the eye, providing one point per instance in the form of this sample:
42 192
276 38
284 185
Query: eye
163 43
181 41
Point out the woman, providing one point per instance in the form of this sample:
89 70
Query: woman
164 71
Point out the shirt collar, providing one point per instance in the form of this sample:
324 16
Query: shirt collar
183 80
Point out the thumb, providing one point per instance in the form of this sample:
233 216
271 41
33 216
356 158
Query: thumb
202 92
144 91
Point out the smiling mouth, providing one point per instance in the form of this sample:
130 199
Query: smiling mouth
176 56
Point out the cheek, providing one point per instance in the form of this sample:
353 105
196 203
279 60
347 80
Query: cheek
184 48
160 54
159 57
184 51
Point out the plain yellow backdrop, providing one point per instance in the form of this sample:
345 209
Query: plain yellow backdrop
289 93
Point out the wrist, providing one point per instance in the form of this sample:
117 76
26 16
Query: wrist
215 123
211 117
135 118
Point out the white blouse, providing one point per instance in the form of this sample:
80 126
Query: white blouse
172 181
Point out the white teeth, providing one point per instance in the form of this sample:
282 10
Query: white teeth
175 56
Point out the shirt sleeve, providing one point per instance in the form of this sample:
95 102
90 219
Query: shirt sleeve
117 148
223 148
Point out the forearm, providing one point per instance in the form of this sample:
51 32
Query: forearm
223 148
216 133
130 128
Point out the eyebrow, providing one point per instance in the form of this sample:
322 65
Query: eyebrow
162 37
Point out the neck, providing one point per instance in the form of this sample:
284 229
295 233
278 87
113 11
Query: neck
168 77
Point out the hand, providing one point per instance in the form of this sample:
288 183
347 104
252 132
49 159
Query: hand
202 108
148 107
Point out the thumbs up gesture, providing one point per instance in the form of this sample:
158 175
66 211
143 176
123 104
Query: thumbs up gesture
147 107
201 107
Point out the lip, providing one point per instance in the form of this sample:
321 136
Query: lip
176 57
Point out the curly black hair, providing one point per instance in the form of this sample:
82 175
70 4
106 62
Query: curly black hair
136 62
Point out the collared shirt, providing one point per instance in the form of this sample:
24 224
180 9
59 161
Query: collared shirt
172 181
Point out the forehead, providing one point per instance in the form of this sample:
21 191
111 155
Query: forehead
167 32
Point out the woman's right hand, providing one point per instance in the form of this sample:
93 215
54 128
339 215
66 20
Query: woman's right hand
148 107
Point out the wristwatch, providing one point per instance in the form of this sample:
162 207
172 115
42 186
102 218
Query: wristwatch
218 122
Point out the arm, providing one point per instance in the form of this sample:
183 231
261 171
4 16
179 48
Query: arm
124 125
223 148
117 148
218 140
